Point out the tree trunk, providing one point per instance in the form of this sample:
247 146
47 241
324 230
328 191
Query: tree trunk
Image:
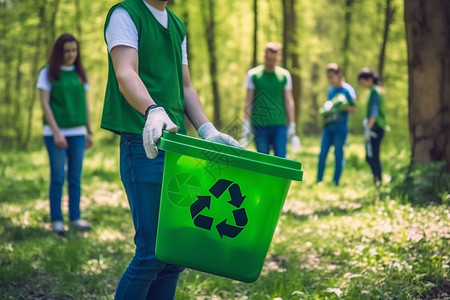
32 94
291 57
209 21
389 18
17 113
347 34
428 38
255 34
51 37
78 19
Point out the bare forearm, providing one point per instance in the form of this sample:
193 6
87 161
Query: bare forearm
126 64
48 113
371 122
248 104
193 107
350 109
88 116
134 90
290 106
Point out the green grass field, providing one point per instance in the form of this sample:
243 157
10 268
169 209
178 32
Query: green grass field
330 242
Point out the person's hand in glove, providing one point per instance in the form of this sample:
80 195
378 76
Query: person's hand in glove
157 121
246 133
291 131
208 132
368 133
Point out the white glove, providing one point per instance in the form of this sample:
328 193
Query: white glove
208 132
296 144
368 134
291 131
246 133
157 121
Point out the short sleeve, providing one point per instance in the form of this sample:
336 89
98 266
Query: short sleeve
121 30
184 51
43 83
374 105
288 85
249 81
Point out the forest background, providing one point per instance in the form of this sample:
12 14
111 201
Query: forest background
222 44
347 242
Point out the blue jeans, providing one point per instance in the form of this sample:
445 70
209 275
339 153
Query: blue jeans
374 161
58 156
271 136
333 135
146 277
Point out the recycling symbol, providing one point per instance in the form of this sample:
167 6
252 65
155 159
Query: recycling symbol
204 203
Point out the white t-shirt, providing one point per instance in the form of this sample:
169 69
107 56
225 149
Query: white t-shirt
251 86
43 83
121 30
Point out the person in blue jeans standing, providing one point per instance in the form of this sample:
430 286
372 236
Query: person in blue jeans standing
62 88
341 102
269 104
375 121
149 90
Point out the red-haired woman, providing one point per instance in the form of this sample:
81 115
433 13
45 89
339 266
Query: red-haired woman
62 88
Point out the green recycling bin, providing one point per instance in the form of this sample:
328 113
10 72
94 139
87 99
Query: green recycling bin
220 206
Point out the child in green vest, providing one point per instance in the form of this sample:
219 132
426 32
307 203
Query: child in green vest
375 121
149 89
62 88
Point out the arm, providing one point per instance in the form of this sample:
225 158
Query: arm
125 60
350 109
248 104
89 140
196 114
373 110
59 139
193 107
289 105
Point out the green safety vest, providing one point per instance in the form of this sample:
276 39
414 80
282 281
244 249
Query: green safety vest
160 68
68 100
268 100
381 118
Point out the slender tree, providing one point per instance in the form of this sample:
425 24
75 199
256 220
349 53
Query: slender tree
255 34
32 93
428 39
347 33
208 11
389 18
291 57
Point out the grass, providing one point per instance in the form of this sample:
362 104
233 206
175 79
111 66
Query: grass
330 242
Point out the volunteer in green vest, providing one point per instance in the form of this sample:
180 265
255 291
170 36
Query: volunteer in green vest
340 103
375 121
149 90
269 105
62 88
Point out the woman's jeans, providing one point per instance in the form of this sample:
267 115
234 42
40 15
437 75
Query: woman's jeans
58 156
374 160
146 277
333 135
271 136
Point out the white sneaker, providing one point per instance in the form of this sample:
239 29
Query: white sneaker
58 227
81 224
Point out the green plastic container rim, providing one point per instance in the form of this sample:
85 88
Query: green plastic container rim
231 156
